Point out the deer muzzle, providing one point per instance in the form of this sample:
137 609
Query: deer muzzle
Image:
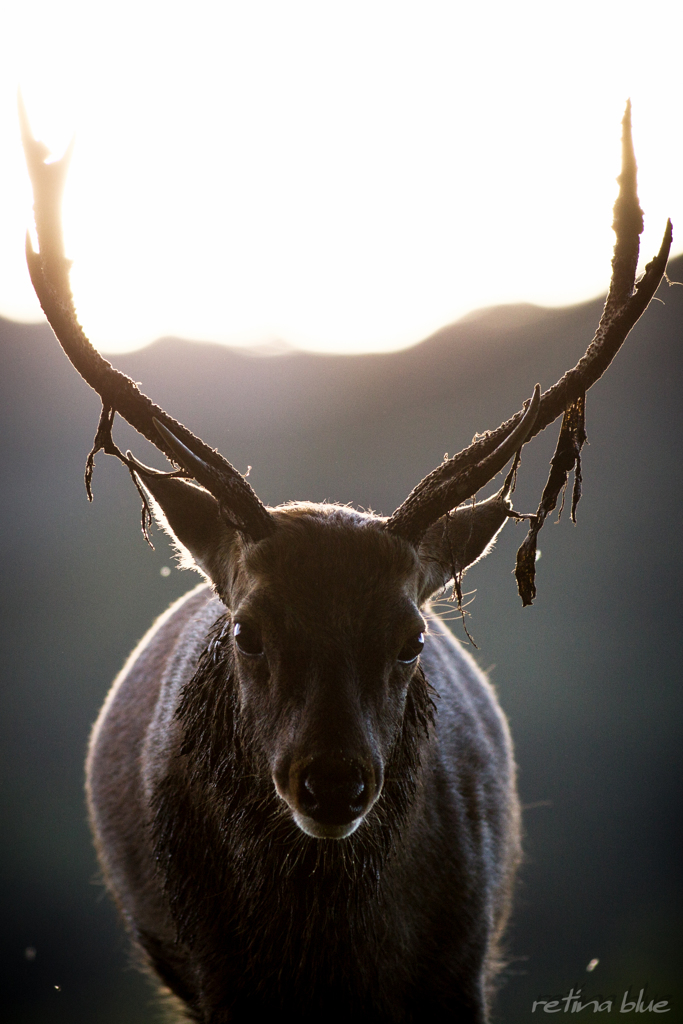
329 795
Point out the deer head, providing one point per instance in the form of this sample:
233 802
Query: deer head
320 596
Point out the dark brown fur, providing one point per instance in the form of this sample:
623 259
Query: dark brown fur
235 907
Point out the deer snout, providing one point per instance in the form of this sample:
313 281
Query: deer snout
330 796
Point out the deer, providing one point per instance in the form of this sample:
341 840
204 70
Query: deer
301 786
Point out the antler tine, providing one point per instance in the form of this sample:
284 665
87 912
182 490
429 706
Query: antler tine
443 488
49 270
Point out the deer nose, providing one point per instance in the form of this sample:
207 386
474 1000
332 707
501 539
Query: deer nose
334 792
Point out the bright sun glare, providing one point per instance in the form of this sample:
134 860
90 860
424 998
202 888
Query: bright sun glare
345 177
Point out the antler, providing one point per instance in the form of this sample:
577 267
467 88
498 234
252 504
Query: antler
460 477
453 482
49 270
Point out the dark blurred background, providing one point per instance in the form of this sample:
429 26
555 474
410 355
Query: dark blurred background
589 676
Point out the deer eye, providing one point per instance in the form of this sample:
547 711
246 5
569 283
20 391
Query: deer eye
248 639
411 649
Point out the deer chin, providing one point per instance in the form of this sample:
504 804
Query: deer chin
317 830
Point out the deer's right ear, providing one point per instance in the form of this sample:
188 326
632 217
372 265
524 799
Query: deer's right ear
191 517
460 539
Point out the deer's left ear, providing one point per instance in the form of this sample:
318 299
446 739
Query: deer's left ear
191 516
460 539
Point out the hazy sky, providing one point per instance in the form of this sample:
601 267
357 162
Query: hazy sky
345 176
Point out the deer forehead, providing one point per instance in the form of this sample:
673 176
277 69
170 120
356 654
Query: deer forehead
326 561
